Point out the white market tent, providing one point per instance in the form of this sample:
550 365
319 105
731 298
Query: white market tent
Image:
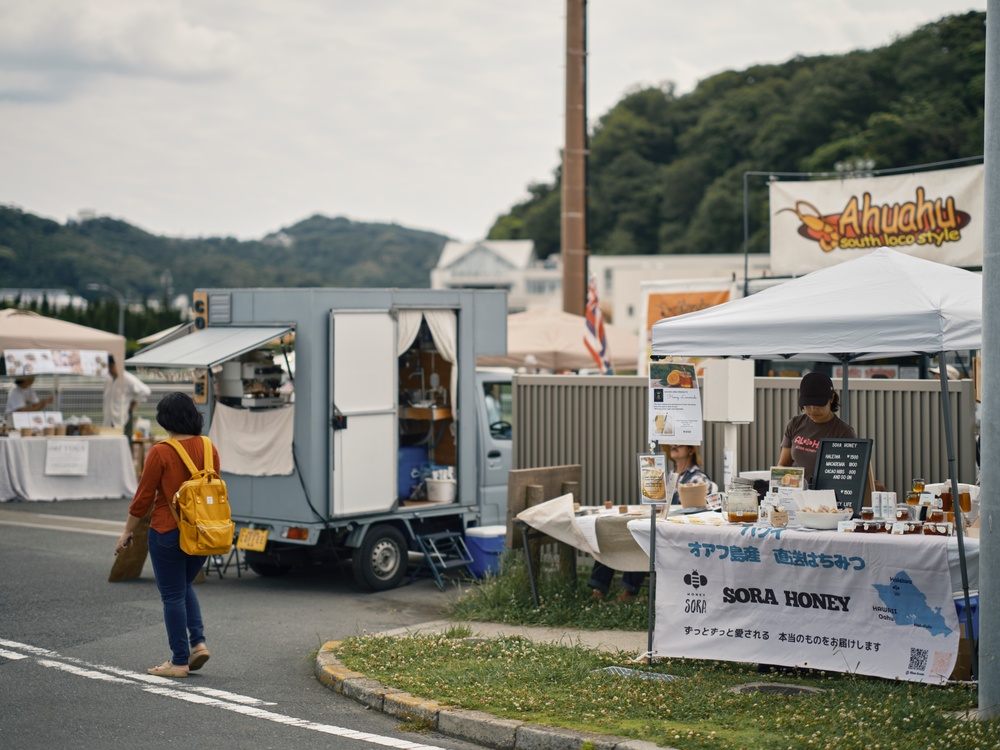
880 305
23 329
555 339
883 304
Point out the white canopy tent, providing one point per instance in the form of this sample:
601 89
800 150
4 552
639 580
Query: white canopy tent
880 305
555 339
883 304
22 329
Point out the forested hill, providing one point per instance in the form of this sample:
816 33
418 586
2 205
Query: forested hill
319 251
665 176
666 171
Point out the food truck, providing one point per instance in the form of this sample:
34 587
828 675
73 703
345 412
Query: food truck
384 440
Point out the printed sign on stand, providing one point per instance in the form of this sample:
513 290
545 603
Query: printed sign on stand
675 416
656 486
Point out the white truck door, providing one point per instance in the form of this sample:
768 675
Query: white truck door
363 372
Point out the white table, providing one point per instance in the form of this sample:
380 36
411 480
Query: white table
604 534
110 471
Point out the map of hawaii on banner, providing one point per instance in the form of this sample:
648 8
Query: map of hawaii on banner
932 215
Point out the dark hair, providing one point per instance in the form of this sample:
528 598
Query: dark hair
111 359
177 413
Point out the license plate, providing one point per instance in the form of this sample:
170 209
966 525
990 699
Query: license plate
252 539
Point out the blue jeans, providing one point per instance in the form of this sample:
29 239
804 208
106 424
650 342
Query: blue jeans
601 575
175 571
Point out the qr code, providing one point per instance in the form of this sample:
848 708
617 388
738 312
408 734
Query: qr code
918 659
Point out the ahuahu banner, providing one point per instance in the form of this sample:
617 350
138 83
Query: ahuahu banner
871 604
932 215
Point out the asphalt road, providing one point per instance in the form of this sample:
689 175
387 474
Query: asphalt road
74 648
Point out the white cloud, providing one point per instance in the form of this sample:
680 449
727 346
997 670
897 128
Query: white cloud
61 45
237 117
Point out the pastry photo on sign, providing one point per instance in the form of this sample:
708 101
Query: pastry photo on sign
787 477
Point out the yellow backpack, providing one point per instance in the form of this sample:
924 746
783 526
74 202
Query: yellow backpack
201 507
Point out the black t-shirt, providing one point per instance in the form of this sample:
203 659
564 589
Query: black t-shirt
802 435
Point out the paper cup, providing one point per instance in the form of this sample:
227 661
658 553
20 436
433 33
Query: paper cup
693 495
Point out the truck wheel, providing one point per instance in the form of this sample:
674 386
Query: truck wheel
380 562
263 567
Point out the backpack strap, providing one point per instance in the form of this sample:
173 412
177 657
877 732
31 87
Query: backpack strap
209 461
175 444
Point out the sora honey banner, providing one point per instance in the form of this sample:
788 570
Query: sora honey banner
932 215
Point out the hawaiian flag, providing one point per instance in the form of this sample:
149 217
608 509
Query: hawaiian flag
594 337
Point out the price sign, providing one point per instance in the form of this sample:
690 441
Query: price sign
842 466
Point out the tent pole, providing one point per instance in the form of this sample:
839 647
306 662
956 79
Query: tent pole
957 506
845 398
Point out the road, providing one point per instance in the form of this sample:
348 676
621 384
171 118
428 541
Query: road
74 648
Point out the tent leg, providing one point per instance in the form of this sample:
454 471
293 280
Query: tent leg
957 505
845 396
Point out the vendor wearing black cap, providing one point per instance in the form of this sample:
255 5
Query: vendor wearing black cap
819 402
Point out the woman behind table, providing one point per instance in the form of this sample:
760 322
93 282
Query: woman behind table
819 403
175 570
687 464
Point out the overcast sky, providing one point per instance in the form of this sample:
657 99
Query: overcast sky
239 117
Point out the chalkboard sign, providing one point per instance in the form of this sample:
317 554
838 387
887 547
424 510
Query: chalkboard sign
842 466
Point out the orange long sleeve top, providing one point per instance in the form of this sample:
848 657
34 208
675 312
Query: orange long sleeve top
163 473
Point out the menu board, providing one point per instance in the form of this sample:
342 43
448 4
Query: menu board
842 466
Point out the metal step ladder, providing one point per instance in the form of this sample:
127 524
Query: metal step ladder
442 551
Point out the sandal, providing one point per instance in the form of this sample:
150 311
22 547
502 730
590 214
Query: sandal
169 669
199 655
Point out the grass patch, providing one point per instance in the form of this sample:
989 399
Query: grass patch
562 685
558 685
507 598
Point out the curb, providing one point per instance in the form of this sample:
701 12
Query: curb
472 726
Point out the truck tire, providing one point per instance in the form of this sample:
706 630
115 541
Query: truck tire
262 566
380 562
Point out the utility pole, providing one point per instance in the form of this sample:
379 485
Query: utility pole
989 431
574 162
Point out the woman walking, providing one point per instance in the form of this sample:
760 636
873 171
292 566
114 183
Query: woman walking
175 570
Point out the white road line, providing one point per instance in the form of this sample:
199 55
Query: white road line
260 713
240 704
61 528
81 518
91 673
30 649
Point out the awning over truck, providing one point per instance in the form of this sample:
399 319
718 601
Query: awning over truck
206 348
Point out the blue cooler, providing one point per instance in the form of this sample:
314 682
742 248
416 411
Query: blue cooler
410 459
485 544
960 610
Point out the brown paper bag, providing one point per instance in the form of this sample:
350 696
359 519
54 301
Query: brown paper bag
129 564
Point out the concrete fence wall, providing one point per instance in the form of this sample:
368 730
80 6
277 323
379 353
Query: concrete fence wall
600 423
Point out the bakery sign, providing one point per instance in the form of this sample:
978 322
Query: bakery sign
932 215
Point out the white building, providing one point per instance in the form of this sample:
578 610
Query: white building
512 265
500 264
